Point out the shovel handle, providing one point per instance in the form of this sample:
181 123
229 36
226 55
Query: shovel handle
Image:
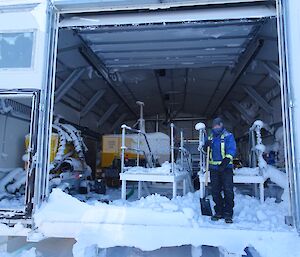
207 166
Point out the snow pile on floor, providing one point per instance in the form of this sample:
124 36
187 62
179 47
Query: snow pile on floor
160 210
165 169
250 214
25 253
65 208
174 222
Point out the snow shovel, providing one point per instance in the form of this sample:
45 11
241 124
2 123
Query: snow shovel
204 202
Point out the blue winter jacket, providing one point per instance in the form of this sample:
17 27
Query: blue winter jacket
216 155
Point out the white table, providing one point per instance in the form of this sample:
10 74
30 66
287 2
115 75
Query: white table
238 179
150 177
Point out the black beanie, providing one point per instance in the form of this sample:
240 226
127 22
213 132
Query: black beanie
217 121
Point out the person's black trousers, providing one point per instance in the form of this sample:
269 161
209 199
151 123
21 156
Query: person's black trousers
223 181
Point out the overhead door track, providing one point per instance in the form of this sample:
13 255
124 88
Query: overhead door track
174 16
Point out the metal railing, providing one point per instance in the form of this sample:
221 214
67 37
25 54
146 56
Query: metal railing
202 155
255 139
150 160
185 156
184 153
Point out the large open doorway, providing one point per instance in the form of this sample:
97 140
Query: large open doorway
184 72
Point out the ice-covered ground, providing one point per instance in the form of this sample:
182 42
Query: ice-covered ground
177 221
248 212
156 221
25 253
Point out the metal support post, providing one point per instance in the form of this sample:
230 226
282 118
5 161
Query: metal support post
141 119
201 128
181 149
123 147
172 148
184 182
157 123
174 189
138 152
140 183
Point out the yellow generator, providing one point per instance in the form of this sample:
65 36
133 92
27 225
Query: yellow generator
110 160
111 149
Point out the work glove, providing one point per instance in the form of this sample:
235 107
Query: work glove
207 144
224 164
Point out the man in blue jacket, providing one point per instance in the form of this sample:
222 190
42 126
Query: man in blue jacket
223 149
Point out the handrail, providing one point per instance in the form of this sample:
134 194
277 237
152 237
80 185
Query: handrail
145 136
184 153
124 147
202 160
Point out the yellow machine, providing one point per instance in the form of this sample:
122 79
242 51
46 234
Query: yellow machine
111 149
54 146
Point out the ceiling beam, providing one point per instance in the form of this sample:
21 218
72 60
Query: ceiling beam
273 70
273 93
177 55
156 59
211 48
68 83
243 111
244 61
174 65
259 99
91 103
100 67
152 42
106 115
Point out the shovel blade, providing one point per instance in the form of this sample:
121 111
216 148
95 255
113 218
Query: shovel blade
205 207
